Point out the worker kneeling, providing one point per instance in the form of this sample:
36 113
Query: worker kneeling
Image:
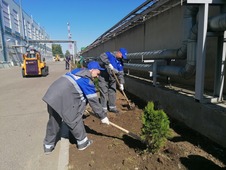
66 100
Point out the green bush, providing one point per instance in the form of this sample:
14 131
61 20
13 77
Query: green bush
155 130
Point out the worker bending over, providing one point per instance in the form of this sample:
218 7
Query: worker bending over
66 100
113 64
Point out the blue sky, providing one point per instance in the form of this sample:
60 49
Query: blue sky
88 18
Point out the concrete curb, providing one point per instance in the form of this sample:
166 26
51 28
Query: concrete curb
63 159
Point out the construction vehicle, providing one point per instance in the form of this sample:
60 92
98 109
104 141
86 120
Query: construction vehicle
57 58
33 65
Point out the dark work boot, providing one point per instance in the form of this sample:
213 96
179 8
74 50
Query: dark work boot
114 110
48 150
85 145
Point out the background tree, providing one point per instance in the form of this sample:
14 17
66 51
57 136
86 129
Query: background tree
67 53
57 50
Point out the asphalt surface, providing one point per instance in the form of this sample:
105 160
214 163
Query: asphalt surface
23 119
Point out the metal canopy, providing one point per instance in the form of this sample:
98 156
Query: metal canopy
55 41
145 11
206 1
51 41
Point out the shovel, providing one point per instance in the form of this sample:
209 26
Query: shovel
120 128
131 105
126 131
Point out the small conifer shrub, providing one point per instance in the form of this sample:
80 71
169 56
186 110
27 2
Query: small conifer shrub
155 130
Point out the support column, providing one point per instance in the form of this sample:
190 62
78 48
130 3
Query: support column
222 70
201 51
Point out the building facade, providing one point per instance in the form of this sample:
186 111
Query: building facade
17 27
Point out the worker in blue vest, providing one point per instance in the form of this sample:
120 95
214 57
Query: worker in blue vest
113 63
66 100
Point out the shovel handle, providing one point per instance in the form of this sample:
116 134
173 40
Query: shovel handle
126 131
124 94
120 128
116 78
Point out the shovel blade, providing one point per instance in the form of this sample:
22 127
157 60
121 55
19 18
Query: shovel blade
131 106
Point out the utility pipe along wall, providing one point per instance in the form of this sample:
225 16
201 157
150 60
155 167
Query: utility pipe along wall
185 55
186 51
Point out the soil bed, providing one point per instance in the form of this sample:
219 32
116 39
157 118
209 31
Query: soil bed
112 149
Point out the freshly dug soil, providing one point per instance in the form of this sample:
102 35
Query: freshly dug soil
113 149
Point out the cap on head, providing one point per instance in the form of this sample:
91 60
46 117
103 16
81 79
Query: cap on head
124 53
94 65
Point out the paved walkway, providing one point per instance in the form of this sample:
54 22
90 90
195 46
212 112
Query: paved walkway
23 119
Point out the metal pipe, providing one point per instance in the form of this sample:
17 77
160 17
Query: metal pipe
139 67
217 23
155 55
189 69
188 49
144 67
189 20
169 70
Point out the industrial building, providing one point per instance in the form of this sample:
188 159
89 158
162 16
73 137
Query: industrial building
17 28
176 57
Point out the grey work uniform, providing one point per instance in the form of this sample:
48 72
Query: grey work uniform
107 82
66 100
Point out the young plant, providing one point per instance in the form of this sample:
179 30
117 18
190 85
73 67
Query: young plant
155 130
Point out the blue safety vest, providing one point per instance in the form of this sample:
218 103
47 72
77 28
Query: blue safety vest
117 64
87 88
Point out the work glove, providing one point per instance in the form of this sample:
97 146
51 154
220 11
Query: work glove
121 87
105 120
111 67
